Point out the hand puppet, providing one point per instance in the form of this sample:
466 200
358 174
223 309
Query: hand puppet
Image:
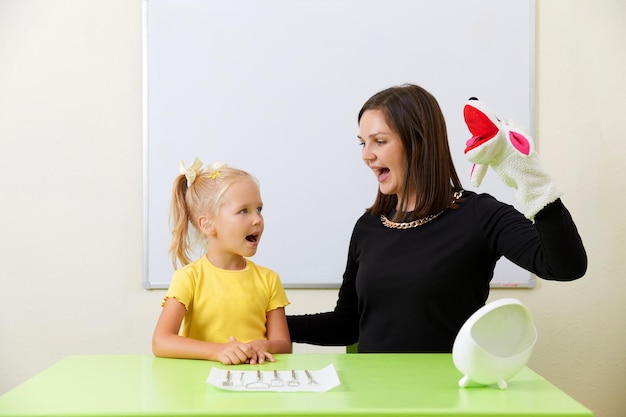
510 152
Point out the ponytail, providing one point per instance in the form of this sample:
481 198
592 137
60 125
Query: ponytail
179 214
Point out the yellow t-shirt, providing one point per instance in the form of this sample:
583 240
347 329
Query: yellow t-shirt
221 303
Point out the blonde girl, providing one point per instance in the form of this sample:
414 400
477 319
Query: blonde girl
221 307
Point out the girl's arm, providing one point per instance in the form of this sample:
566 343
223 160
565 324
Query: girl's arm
166 342
278 340
278 332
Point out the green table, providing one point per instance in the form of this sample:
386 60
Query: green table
371 385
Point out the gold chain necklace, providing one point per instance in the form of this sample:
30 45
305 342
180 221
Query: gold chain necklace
415 223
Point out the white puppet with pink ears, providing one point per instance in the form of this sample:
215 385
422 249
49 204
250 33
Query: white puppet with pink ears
510 152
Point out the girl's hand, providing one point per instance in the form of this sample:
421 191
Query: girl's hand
260 352
234 353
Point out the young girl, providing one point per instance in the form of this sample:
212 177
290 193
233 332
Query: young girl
231 309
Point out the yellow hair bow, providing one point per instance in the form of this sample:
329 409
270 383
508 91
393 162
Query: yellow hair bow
191 172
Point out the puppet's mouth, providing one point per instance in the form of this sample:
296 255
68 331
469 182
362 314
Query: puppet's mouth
476 141
481 127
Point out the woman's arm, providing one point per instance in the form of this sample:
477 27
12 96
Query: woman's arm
166 342
339 327
551 247
562 245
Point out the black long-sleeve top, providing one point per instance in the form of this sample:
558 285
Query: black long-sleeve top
411 290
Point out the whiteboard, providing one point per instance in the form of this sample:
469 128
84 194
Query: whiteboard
274 87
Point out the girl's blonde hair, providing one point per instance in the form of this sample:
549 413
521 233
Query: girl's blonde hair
200 196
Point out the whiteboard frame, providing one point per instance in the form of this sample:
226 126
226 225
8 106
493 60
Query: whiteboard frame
150 283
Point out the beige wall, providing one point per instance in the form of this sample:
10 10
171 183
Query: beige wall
71 190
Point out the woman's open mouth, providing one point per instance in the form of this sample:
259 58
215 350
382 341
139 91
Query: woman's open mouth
382 174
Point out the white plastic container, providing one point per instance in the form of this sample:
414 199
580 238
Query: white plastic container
495 343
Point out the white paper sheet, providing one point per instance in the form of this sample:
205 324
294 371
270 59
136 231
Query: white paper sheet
284 381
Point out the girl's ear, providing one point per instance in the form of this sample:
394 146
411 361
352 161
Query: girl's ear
206 227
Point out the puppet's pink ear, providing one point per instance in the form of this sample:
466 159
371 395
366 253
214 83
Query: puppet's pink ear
520 142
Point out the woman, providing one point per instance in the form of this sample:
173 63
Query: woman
421 257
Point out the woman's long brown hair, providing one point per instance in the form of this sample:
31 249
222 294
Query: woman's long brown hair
416 116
